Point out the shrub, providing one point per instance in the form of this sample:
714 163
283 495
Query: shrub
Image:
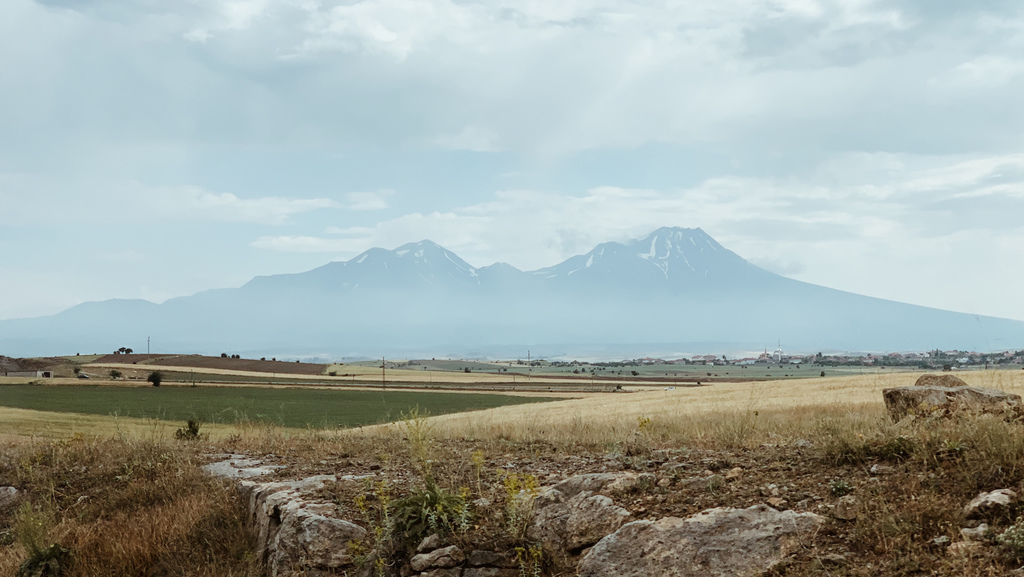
32 529
432 509
190 432
115 374
1012 540
156 377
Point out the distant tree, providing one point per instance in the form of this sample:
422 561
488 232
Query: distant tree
115 374
128 351
263 358
822 373
77 370
466 370
223 355
156 377
634 373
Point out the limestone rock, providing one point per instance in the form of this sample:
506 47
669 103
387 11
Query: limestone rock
443 558
987 503
879 469
452 572
945 380
978 533
577 522
715 543
846 508
937 401
480 558
295 535
8 495
429 543
604 483
239 467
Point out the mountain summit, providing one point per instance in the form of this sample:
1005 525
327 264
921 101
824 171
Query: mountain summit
676 289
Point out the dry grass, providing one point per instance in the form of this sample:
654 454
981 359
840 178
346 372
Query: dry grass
124 507
149 512
757 412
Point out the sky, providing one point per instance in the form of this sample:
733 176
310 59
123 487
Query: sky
152 149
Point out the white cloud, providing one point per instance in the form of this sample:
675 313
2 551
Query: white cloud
197 35
197 203
472 137
377 200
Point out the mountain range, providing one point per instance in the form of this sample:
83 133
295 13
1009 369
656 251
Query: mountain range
675 290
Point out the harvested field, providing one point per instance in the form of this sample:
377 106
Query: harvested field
204 362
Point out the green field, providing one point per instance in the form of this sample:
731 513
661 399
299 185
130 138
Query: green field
282 406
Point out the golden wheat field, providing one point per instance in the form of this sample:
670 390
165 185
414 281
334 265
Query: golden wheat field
783 408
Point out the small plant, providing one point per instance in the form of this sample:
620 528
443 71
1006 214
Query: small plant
1011 541
155 378
529 560
433 509
520 493
115 374
839 487
190 432
639 442
420 436
380 530
32 530
477 459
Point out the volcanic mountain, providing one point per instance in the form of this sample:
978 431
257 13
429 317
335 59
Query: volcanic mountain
676 289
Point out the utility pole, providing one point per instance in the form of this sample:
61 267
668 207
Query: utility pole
383 381
147 345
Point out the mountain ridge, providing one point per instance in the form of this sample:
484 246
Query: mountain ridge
672 286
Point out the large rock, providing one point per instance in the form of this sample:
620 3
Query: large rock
572 514
938 401
296 535
577 522
717 542
447 557
940 381
296 532
993 502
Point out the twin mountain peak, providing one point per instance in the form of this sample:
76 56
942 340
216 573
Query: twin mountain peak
672 291
679 258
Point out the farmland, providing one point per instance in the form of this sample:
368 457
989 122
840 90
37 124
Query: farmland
287 407
802 444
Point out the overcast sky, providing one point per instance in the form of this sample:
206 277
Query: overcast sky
151 148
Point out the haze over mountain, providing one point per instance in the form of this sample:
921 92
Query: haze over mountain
675 290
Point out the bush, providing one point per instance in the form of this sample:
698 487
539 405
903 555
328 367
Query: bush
115 374
156 377
32 529
190 432
433 509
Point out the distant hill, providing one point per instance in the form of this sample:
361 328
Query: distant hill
675 290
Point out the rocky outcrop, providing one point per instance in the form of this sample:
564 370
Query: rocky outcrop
717 542
940 381
578 512
296 533
993 502
444 558
943 401
577 522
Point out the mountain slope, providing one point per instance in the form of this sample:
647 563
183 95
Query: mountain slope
674 290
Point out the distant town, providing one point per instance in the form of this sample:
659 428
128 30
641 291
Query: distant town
928 360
